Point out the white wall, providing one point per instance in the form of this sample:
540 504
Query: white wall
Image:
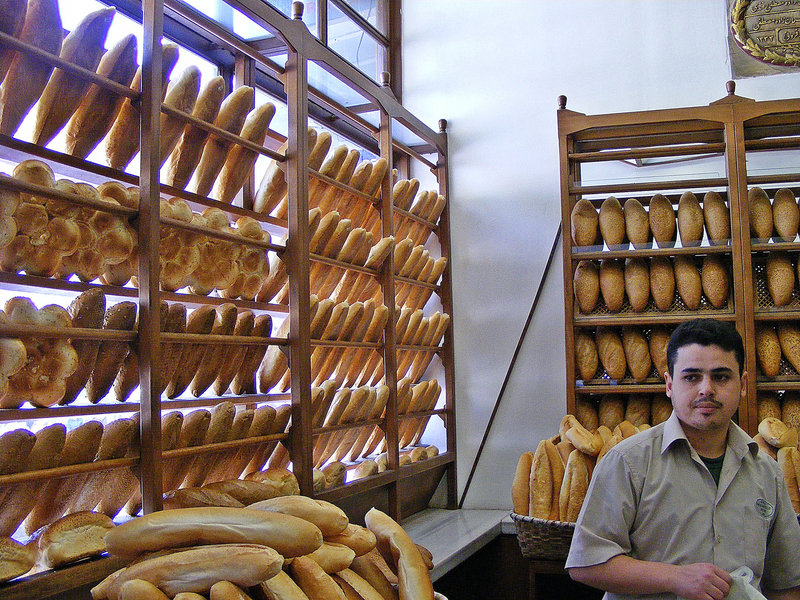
494 70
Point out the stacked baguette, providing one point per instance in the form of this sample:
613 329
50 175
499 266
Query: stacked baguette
617 224
779 440
223 553
551 482
619 353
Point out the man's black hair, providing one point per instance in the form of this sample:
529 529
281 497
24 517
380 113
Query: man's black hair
705 332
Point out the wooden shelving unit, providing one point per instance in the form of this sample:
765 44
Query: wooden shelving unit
400 490
666 146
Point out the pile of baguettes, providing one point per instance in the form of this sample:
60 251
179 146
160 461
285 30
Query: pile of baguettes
282 548
779 424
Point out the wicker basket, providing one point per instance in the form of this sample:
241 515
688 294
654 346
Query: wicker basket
542 538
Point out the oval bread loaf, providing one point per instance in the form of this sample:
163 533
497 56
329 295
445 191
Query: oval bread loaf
777 433
768 350
789 337
637 410
715 213
714 277
660 409
637 283
611 411
659 338
637 353
780 277
760 213
586 358
586 413
611 352
586 285
785 214
662 220
662 282
690 220
612 222
768 406
361 540
584 221
612 284
637 223
687 280
329 518
790 409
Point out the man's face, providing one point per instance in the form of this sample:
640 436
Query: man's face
705 387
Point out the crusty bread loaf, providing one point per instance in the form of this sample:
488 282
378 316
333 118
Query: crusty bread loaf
586 284
612 284
99 108
584 223
586 413
612 222
15 446
181 95
12 16
637 223
637 410
780 277
200 321
717 219
611 411
760 209
573 488
714 278
197 497
662 282
768 350
225 590
584 440
785 214
687 280
790 409
231 117
764 447
543 474
413 578
312 579
611 352
27 76
768 405
120 316
356 587
245 378
289 535
73 537
662 220
690 219
660 409
777 433
625 429
789 338
332 557
282 587
83 47
360 539
637 352
86 310
330 519
659 338
789 462
586 358
520 486
139 589
197 569
371 573
16 559
637 283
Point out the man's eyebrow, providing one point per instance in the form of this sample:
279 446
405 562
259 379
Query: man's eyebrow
714 370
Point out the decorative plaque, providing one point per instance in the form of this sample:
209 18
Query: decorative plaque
768 30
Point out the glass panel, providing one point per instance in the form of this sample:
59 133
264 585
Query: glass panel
332 87
231 19
404 135
369 10
353 44
309 12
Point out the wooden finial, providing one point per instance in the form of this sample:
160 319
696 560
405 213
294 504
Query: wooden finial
297 10
731 87
442 125
386 78
562 102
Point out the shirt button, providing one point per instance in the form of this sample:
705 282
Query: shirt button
718 540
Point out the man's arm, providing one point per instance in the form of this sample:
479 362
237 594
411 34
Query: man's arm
790 594
625 575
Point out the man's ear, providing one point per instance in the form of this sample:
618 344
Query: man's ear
743 381
668 380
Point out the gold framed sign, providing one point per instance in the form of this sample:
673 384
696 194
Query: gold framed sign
768 30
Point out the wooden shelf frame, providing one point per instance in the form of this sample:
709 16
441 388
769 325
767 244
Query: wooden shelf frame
731 127
301 47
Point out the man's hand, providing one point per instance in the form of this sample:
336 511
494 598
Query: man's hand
701 581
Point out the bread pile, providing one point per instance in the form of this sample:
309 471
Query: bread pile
616 224
620 352
551 482
779 218
779 440
648 284
283 548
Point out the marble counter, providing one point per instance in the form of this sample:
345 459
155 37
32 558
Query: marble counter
454 535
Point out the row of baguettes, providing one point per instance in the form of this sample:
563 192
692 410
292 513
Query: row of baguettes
359 321
89 113
610 410
615 224
629 349
659 278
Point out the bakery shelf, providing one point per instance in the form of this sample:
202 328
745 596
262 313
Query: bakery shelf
65 412
611 388
76 333
596 252
676 150
68 471
206 401
655 186
38 190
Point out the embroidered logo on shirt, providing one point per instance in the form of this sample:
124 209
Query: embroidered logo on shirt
765 509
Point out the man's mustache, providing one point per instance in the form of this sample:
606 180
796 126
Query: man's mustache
714 403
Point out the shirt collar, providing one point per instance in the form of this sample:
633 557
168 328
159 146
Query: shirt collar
738 440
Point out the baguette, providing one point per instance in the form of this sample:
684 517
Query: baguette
245 491
139 589
789 462
349 580
394 544
766 448
197 569
360 539
212 359
197 497
99 108
329 518
332 557
231 117
541 483
63 93
122 141
234 356
120 316
15 559
239 163
372 574
776 433
312 579
27 76
225 590
182 96
244 381
282 587
193 432
184 158
12 17
86 310
200 321
520 488
72 538
573 488
180 527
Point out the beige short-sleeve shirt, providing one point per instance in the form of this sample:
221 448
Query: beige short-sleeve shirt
652 498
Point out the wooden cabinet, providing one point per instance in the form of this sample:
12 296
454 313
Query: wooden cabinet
292 70
708 149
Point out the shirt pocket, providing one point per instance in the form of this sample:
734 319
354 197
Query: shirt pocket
757 517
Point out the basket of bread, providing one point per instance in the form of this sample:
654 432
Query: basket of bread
550 484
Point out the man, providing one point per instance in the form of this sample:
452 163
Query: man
672 510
